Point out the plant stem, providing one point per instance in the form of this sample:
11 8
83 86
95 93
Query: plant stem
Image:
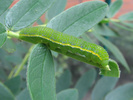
107 20
44 25
12 72
115 20
23 62
13 34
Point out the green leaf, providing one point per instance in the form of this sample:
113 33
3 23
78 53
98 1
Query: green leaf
128 24
2 17
69 94
124 92
102 29
127 17
114 8
122 27
39 22
41 74
55 54
14 84
102 87
24 95
87 38
3 75
4 5
25 12
115 51
5 93
56 8
79 18
85 83
6 64
64 81
115 72
9 46
3 35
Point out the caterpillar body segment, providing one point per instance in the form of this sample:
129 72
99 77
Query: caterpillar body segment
68 45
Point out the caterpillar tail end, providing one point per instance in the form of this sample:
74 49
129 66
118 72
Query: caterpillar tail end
107 68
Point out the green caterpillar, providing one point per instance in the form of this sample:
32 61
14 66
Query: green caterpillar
68 45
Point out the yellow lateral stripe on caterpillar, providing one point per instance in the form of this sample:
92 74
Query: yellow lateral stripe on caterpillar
63 44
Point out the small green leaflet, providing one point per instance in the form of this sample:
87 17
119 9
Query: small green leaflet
3 35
